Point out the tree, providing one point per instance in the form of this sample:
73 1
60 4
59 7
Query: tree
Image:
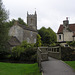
38 42
3 29
21 21
11 23
48 36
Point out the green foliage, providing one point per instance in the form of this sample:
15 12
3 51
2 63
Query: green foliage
19 69
26 52
27 45
4 54
53 44
3 30
11 23
67 54
21 21
38 42
71 43
48 36
16 51
3 13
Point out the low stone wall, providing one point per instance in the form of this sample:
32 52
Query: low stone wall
54 52
44 56
44 53
39 58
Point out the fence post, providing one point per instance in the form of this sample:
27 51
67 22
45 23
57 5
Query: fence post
39 58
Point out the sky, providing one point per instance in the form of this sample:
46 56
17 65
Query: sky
50 13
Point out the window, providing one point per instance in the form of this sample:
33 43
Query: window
59 37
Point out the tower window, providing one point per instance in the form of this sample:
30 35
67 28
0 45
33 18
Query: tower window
59 37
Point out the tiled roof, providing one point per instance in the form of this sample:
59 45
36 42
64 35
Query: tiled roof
71 27
13 41
60 30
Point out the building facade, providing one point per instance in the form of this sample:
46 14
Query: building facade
22 32
66 32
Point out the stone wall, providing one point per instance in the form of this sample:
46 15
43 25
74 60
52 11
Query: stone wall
30 36
54 52
68 36
23 34
59 40
44 53
17 31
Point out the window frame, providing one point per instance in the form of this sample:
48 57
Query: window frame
59 37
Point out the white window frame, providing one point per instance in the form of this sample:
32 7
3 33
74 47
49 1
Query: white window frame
59 37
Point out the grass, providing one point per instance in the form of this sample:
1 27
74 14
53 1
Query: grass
19 69
71 63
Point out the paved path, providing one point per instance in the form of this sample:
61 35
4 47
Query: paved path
56 67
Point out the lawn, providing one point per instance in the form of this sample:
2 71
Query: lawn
71 63
19 69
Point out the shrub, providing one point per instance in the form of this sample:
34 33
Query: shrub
26 52
16 52
4 54
71 43
67 54
38 42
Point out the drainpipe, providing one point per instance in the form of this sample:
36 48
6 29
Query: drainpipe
63 37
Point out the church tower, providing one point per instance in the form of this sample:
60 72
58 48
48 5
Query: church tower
32 20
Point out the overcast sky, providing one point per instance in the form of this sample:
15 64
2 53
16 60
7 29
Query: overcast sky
50 13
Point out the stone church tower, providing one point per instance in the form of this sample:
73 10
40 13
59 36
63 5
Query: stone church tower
20 33
32 20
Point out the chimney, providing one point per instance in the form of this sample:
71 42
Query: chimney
66 22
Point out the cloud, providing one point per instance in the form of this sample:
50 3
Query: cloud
50 13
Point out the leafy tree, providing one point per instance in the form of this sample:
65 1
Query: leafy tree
11 23
3 29
38 42
48 36
21 21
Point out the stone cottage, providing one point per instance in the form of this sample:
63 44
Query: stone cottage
20 32
66 32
